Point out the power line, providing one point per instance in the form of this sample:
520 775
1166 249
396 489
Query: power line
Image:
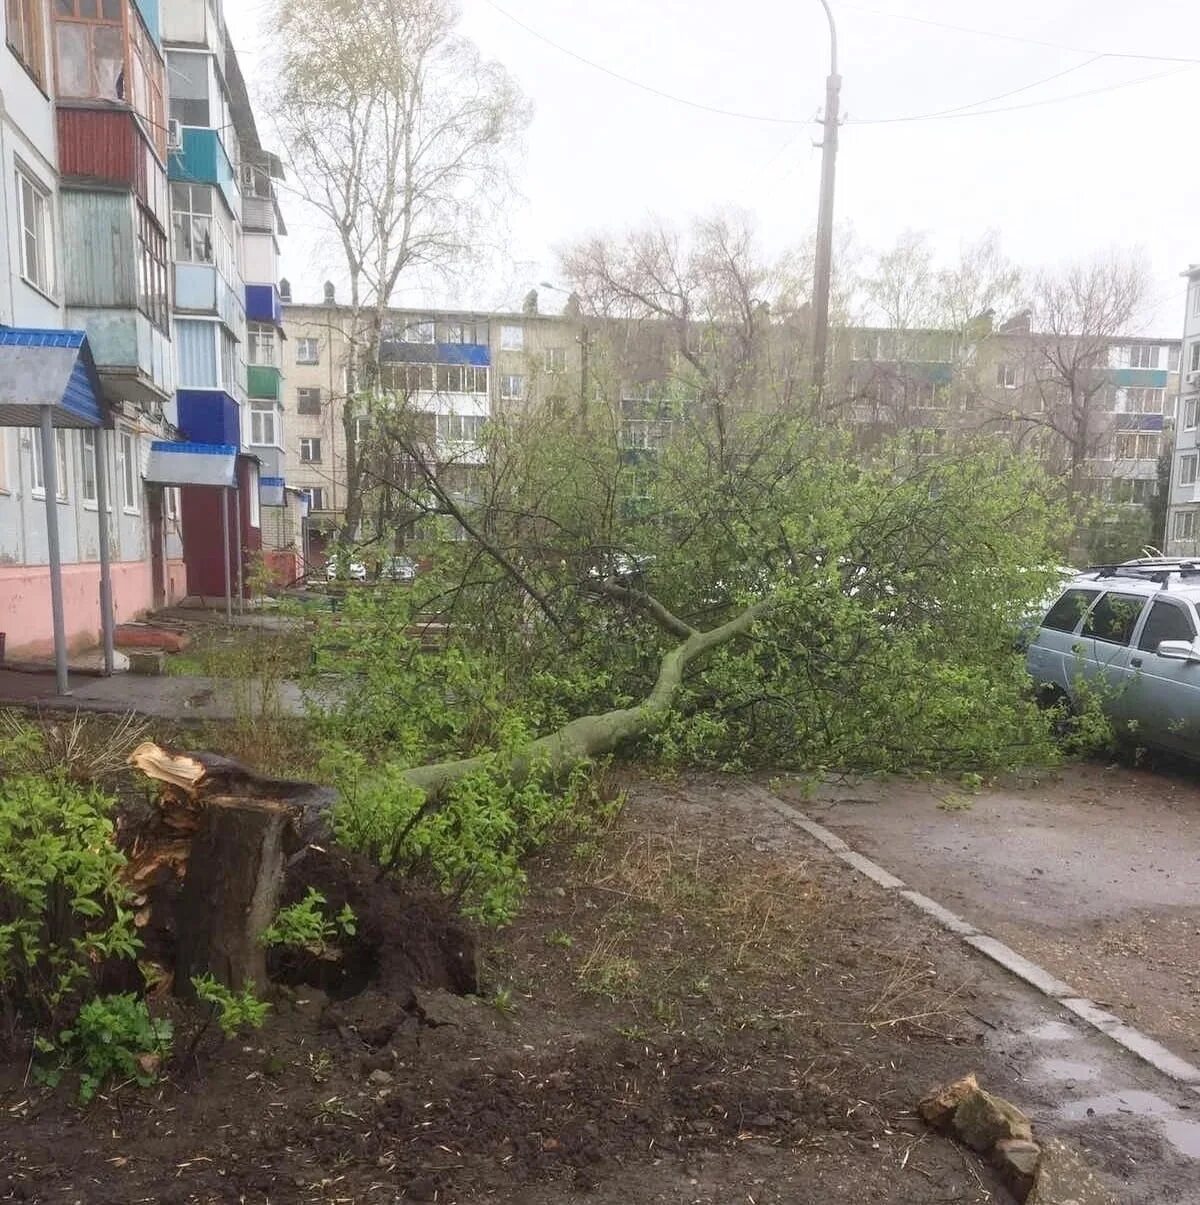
967 110
1014 37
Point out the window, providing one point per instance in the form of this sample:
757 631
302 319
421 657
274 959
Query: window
1144 401
1065 615
310 450
37 259
1194 356
260 345
512 385
171 503
90 49
192 223
644 434
1143 355
62 465
1187 469
1173 358
188 88
556 359
1131 445
1114 617
316 496
927 441
262 424
88 478
1006 376
38 478
419 332
3 461
308 401
308 351
26 34
460 427
1196 300
1190 408
153 297
127 470
512 338
1165 622
253 497
931 396
1185 525
362 429
461 378
455 332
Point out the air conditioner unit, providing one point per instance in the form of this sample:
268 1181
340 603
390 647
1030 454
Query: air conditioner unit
174 135
1193 378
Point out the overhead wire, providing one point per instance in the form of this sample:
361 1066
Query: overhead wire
971 109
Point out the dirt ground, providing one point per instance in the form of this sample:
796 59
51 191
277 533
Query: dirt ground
1092 871
696 1007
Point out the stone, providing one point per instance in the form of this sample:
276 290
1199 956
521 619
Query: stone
1064 1178
150 663
981 1120
938 1107
379 1078
1016 1159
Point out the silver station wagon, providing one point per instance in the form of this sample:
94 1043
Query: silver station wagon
1131 632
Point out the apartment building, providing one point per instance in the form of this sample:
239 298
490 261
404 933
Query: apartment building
1183 510
121 310
457 367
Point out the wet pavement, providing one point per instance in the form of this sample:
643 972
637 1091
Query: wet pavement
1093 872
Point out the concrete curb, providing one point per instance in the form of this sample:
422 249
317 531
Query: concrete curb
1136 1043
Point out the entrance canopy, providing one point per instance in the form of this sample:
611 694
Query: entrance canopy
48 368
48 379
192 464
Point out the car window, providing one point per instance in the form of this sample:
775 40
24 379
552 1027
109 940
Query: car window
1114 617
1165 622
1065 615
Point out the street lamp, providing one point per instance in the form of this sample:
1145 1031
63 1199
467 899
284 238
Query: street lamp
823 265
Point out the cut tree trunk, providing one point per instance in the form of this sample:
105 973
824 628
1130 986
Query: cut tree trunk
231 892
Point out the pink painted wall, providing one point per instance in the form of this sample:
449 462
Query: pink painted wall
25 602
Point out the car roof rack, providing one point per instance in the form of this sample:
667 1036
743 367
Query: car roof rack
1154 569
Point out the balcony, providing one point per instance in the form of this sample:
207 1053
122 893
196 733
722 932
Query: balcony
201 289
263 304
202 160
134 358
1146 378
109 147
399 351
209 416
264 381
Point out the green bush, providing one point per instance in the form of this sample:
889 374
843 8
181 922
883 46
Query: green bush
307 926
113 1037
63 907
234 1011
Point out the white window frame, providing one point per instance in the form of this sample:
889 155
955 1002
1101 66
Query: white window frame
62 465
512 337
315 493
259 413
171 503
555 359
40 227
303 343
1187 469
1196 301
87 456
4 488
127 470
1146 399
420 330
510 391
261 345
1006 376
254 497
308 411
1144 351
1194 356
1191 413
307 445
1185 525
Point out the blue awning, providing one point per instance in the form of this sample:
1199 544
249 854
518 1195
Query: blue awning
270 491
192 464
54 368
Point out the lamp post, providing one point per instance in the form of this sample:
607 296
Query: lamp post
584 340
823 265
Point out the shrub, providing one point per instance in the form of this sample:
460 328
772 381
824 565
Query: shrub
234 1011
307 926
63 907
113 1036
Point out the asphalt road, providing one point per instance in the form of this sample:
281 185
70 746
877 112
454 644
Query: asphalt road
1092 871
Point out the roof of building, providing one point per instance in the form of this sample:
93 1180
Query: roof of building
40 368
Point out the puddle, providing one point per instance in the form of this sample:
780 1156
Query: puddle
1052 1031
1183 1135
1065 1069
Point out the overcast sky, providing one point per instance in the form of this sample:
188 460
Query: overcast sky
1059 180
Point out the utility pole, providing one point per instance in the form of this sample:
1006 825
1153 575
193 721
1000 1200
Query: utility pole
823 266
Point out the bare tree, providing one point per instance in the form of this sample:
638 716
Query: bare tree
901 286
398 136
983 282
1077 313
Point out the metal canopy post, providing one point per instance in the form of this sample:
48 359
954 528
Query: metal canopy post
50 482
237 514
225 545
106 601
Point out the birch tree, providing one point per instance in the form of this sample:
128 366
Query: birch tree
399 136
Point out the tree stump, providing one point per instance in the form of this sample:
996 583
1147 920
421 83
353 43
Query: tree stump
231 892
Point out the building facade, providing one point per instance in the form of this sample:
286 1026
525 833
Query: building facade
104 235
1183 513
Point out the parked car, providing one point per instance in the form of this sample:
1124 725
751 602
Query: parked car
1133 631
398 569
355 571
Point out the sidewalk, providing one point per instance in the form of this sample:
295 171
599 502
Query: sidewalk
167 698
